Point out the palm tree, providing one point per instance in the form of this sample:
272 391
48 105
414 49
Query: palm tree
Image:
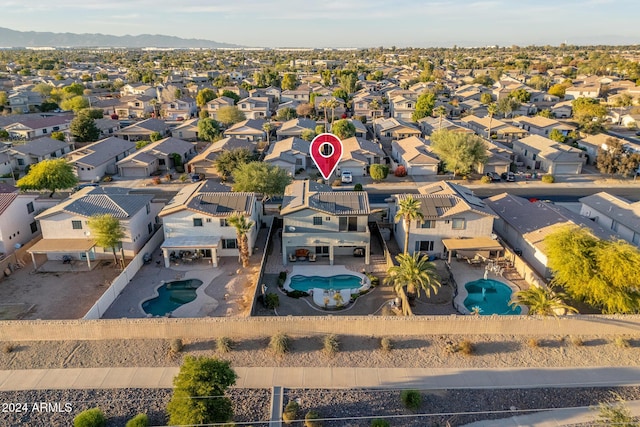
440 112
242 226
409 210
375 106
491 110
268 128
332 103
414 272
541 300
324 104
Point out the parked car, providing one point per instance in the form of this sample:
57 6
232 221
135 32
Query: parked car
197 177
346 177
508 176
494 176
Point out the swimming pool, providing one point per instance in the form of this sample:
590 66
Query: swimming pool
171 295
339 282
491 296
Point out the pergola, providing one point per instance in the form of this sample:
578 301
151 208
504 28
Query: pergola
472 244
191 243
64 246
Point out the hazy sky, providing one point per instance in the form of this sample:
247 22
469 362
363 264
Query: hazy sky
340 23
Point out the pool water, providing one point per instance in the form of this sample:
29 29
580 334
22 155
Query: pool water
172 295
493 300
341 281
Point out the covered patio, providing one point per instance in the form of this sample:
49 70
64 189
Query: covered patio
190 248
480 246
63 252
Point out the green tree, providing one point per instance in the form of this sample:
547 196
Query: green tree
602 273
229 115
52 175
326 77
74 89
542 301
155 136
616 159
484 80
348 82
378 172
142 143
340 93
4 134
83 128
75 103
229 160
243 227
508 105
343 129
232 95
424 106
94 113
204 95
486 98
3 98
459 151
260 177
557 136
492 109
285 114
58 135
43 89
198 380
308 135
521 95
268 128
408 211
289 81
107 231
590 113
208 129
415 273
547 113
557 90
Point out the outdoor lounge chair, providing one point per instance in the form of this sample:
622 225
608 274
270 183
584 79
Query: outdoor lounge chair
292 258
312 257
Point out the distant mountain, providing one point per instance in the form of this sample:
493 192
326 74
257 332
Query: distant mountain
11 38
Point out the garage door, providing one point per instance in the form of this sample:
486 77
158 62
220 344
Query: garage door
421 170
134 172
565 169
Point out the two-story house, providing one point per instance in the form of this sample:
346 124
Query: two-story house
157 156
357 155
291 154
66 232
138 89
415 155
387 130
301 95
255 107
216 104
142 130
204 162
183 108
450 211
499 129
538 125
324 223
38 150
539 153
614 213
295 127
17 223
196 220
95 160
32 128
250 129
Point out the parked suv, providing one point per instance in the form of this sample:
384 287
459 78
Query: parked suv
346 177
494 176
508 176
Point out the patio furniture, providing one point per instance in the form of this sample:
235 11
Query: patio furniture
312 257
292 257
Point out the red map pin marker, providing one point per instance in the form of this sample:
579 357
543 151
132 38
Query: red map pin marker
326 152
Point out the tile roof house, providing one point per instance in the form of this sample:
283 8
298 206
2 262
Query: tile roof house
450 211
415 155
498 159
142 130
36 127
502 130
17 223
295 127
156 156
187 131
40 149
614 213
195 220
204 162
255 107
290 154
250 129
543 154
65 230
538 125
214 105
99 158
324 223
523 225
358 154
393 129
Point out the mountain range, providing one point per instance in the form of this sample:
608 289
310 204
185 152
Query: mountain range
12 38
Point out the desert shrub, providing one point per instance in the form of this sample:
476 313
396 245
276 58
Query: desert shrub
223 344
451 348
375 280
279 343
183 177
357 187
107 178
549 179
272 300
155 180
290 412
533 342
297 294
310 419
282 277
577 341
400 171
176 345
380 423
330 345
378 172
140 420
386 344
411 399
8 348
336 182
615 414
622 342
90 418
485 179
466 347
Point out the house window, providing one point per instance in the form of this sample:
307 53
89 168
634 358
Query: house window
150 228
636 239
317 220
20 162
148 208
458 224
161 162
208 220
533 157
429 223
44 131
614 226
76 225
348 223
229 244
526 152
424 246
30 207
56 128
197 222
223 222
34 226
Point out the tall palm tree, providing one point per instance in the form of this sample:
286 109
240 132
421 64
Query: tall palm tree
415 273
491 110
440 112
324 104
268 128
332 104
242 226
375 106
541 300
408 210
